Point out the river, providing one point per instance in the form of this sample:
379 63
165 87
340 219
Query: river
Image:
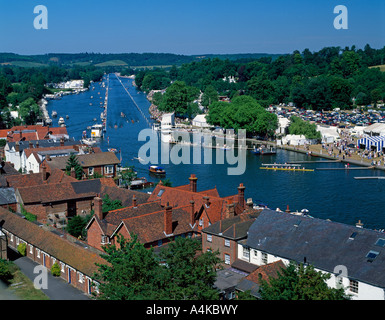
333 194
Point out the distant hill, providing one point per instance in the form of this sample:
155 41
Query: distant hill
118 59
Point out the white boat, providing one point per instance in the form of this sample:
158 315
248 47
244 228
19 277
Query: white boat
88 141
61 121
54 114
97 131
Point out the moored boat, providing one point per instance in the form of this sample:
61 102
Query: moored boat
88 141
264 151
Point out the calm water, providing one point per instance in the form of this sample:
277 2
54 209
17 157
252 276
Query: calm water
334 195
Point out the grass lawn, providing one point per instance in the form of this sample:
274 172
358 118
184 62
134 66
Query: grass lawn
23 287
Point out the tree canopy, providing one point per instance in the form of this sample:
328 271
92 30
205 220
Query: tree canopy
300 282
133 272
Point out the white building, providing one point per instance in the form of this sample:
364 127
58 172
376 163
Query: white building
329 133
200 121
283 125
354 257
295 140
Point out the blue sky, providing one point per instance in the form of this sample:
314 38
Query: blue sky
188 27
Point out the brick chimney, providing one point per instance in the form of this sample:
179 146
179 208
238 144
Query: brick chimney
168 219
17 146
134 201
37 144
193 183
192 212
98 203
287 209
44 172
20 134
241 195
61 141
30 145
230 209
47 157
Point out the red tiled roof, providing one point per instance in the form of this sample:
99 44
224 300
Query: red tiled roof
60 248
150 227
266 271
38 132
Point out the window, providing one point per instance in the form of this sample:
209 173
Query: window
227 258
227 243
104 239
264 258
109 169
38 253
201 222
81 277
339 282
372 255
62 265
246 253
30 249
380 242
160 243
353 286
255 253
160 192
91 171
209 238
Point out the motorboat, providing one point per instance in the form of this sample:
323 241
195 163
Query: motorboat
61 121
88 141
97 131
264 151
157 170
54 114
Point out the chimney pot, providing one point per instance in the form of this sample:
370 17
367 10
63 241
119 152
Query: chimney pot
98 203
168 219
193 183
287 209
134 201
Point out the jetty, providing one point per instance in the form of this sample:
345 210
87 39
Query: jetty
369 178
347 168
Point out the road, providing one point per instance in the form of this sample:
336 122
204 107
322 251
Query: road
57 288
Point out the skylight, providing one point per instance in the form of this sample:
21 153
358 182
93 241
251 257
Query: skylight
380 242
353 235
160 192
372 255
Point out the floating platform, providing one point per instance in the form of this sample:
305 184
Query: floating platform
354 168
318 161
369 178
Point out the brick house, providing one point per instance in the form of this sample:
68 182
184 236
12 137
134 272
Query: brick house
224 235
101 163
77 263
33 132
167 213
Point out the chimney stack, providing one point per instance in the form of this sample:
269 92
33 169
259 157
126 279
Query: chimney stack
73 173
287 209
134 201
168 219
230 209
37 144
359 224
44 171
17 146
62 142
193 183
192 212
98 211
30 144
241 195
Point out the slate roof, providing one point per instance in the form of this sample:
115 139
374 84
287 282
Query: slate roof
45 143
324 244
60 248
85 160
233 228
7 196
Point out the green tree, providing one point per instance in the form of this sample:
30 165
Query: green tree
55 270
75 226
190 274
299 282
131 272
109 204
5 270
73 164
210 95
301 127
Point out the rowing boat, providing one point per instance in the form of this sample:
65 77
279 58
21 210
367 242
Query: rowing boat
287 169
